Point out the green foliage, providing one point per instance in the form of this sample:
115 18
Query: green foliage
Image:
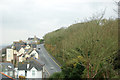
69 72
95 44
57 75
41 40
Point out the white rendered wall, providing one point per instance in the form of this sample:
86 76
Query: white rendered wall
9 56
38 74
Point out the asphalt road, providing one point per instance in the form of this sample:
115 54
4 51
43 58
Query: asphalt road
50 64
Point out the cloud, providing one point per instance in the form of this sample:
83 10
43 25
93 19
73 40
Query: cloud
20 19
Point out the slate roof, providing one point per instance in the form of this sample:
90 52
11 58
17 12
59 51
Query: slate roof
33 38
36 65
30 51
30 38
37 51
39 61
6 66
33 45
22 66
18 46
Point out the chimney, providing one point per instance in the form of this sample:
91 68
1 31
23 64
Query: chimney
28 65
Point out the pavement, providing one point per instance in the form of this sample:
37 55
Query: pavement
50 64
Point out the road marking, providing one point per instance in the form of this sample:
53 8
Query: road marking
47 72
45 58
53 60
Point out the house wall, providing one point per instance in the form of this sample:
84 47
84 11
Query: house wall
9 73
27 56
9 55
38 74
15 52
16 72
43 68
34 52
20 59
21 73
21 51
15 61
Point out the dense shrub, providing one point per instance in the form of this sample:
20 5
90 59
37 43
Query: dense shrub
94 45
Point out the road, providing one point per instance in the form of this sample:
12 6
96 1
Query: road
50 65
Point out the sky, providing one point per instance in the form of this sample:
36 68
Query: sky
20 19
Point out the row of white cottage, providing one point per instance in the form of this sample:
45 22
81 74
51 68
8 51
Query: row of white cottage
30 69
19 53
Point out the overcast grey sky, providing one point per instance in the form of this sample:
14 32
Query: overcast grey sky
20 19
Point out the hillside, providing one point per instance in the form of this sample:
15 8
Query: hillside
94 45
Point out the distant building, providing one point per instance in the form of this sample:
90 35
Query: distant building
20 51
34 40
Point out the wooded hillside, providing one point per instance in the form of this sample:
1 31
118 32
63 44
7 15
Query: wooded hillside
93 44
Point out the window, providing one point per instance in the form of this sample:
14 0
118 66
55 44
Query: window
8 55
33 72
11 74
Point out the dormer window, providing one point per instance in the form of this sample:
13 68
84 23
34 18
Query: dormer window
9 66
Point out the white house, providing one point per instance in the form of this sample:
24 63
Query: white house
21 51
31 69
15 52
20 58
35 72
9 55
34 53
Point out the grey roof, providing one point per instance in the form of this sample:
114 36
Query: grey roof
6 66
33 38
22 66
30 51
30 38
37 51
33 45
18 46
39 61
36 65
